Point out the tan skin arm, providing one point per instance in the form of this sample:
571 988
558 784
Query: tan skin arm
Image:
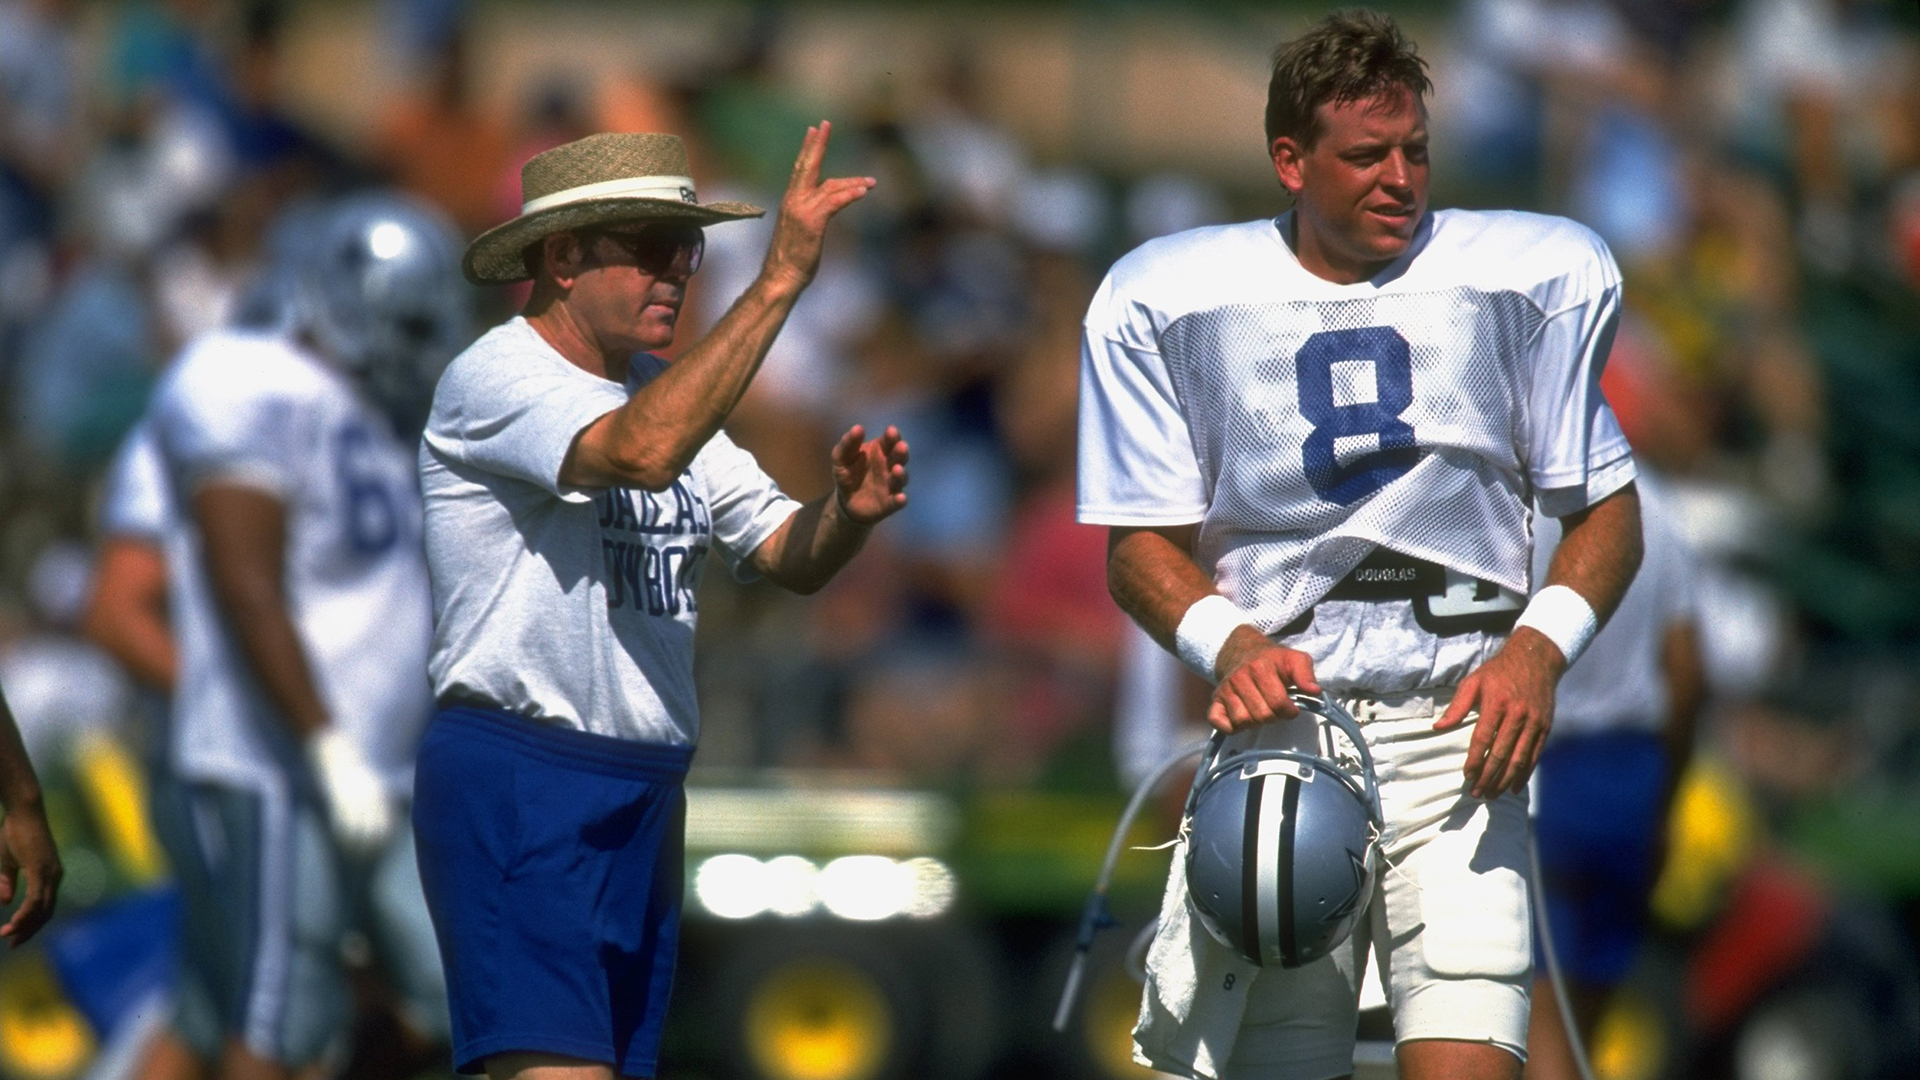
650 441
1598 555
29 864
869 485
127 613
1152 576
243 533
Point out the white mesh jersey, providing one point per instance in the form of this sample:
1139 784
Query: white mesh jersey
1302 423
254 410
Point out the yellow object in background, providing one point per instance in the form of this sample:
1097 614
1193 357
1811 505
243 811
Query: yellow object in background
42 1036
819 1018
116 795
1710 837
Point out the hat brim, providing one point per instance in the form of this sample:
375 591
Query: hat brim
495 256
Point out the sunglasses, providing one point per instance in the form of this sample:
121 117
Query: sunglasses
661 249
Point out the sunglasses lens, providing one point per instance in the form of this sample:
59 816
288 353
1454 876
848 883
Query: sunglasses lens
664 249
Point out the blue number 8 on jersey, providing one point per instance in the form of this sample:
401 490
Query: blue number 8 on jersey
1386 352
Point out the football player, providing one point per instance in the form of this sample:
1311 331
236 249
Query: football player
1315 439
299 600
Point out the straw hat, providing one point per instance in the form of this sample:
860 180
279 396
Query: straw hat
595 181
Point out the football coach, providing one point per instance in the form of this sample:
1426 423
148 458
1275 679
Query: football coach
575 483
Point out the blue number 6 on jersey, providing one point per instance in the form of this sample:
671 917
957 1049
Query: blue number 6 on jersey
1386 351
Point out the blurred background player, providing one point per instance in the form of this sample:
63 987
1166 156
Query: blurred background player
300 604
126 615
1624 720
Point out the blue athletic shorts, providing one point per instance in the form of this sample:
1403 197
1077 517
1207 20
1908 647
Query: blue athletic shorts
552 864
1598 823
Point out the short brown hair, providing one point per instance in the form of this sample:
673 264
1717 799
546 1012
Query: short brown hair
1350 56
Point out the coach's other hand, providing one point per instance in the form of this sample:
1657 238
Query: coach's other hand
30 866
1255 677
870 477
356 797
805 210
1514 693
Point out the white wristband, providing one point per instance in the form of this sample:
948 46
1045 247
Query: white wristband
1204 630
1564 616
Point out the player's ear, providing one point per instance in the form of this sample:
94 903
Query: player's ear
1287 154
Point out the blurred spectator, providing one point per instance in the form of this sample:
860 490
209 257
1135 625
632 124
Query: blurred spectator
59 686
442 143
40 88
1169 203
1819 83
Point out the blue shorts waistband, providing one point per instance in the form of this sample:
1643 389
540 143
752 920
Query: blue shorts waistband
569 747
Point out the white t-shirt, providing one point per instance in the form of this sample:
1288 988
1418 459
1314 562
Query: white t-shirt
253 409
1618 682
136 502
568 605
1302 423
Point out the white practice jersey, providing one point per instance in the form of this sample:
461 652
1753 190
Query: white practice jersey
1619 681
137 503
254 410
1303 423
575 607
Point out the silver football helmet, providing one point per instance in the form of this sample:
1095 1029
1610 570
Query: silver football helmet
1282 848
381 293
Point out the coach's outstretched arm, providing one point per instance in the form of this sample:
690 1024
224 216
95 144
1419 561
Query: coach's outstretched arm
649 441
1513 692
869 486
1152 576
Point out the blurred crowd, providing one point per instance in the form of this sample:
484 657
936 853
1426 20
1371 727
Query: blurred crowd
1754 165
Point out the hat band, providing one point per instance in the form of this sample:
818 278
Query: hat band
676 188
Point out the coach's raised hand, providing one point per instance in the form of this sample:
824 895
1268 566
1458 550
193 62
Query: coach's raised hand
805 210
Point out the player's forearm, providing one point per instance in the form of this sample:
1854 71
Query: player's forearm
127 614
263 629
816 542
243 537
1153 578
1600 551
651 440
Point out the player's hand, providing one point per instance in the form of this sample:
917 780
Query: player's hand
1257 677
870 477
29 866
808 205
356 797
1514 694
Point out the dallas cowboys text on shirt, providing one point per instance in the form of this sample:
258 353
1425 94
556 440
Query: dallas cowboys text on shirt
644 571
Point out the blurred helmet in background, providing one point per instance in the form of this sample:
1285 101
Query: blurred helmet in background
380 292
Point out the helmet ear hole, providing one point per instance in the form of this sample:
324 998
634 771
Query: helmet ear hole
1281 860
